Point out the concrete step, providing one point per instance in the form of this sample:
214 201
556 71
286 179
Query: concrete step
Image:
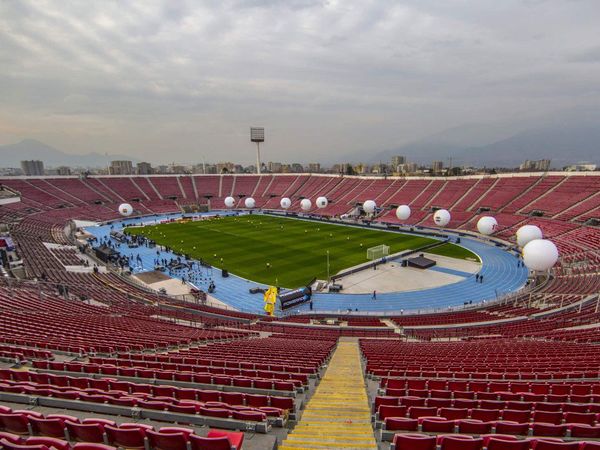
338 415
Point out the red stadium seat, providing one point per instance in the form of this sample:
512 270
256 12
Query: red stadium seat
473 426
5 444
50 442
499 444
401 424
133 438
90 432
167 441
550 445
235 439
548 429
430 425
92 446
414 442
48 427
519 429
585 431
14 422
459 442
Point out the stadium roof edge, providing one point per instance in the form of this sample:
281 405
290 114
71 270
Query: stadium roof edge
465 177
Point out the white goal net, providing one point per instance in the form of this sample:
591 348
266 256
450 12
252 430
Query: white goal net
378 252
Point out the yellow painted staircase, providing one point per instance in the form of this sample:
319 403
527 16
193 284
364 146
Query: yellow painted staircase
338 414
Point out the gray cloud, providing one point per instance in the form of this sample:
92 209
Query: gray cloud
172 80
591 55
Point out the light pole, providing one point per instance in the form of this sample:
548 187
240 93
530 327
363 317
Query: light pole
257 134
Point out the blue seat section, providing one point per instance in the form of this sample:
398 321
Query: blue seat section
499 269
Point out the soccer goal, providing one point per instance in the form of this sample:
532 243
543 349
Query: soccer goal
378 252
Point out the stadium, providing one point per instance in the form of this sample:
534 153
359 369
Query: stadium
265 311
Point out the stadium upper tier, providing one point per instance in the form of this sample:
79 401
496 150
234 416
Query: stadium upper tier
565 202
526 370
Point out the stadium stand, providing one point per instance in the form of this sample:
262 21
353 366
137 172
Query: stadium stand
523 373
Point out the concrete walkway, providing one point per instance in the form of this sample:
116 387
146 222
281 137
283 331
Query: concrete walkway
338 414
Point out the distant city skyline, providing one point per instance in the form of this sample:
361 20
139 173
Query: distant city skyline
180 81
397 166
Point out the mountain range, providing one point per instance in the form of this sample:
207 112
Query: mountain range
11 155
565 138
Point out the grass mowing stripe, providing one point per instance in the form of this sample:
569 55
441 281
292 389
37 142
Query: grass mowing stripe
454 251
296 249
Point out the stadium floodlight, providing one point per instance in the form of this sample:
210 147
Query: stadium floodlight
257 134
378 252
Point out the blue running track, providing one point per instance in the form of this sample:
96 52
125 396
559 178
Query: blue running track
499 269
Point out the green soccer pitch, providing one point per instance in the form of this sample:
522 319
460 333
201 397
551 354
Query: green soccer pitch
276 250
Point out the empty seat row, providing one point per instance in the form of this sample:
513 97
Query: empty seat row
208 378
515 387
46 383
200 374
256 407
16 424
410 441
13 442
488 415
472 426
472 404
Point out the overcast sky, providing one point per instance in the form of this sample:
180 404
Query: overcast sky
174 80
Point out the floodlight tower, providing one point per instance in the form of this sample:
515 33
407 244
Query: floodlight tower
257 134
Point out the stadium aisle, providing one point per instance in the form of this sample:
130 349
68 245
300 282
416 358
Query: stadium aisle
338 414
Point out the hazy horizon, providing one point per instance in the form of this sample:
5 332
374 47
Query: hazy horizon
178 81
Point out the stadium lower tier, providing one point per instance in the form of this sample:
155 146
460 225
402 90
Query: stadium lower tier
564 202
91 361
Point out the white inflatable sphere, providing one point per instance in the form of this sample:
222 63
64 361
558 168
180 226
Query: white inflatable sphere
285 203
403 212
487 225
540 254
249 202
229 201
441 217
305 204
322 202
125 209
369 206
528 233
